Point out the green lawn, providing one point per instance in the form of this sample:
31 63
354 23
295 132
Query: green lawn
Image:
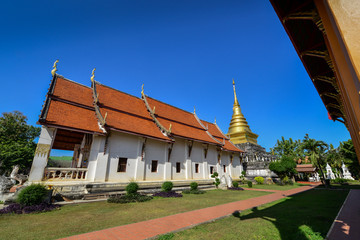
307 215
274 186
86 217
62 158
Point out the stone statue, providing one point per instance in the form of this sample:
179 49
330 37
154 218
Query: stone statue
18 177
223 182
229 182
5 184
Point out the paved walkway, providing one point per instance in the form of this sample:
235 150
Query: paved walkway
181 221
347 223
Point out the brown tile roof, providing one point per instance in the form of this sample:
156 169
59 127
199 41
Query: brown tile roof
127 113
66 115
72 91
184 124
218 135
305 168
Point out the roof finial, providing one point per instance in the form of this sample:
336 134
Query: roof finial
194 110
93 75
53 71
236 103
142 89
215 120
170 128
154 110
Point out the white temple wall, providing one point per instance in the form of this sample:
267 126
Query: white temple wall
127 146
236 167
98 160
211 160
178 154
225 160
155 151
197 157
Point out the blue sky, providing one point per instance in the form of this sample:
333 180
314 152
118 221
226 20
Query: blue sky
185 52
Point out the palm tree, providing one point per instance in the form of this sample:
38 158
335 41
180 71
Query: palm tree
315 149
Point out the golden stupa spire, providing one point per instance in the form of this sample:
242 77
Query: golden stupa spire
239 130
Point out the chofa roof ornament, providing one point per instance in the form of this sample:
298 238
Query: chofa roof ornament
53 71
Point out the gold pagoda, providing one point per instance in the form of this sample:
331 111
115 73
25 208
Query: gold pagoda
239 130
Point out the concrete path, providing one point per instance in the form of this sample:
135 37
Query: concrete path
182 221
347 223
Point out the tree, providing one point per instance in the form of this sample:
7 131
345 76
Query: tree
315 150
347 150
284 167
288 147
17 144
334 158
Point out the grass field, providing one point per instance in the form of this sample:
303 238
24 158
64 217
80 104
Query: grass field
87 217
273 186
62 158
304 216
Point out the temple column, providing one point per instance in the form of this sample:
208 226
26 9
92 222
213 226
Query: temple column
42 153
167 165
98 160
205 169
140 160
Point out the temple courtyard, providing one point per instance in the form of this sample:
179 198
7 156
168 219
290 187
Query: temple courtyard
270 212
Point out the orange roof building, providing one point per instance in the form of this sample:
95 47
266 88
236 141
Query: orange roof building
116 137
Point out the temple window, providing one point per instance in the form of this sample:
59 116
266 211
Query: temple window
196 168
122 165
178 167
224 166
211 170
154 165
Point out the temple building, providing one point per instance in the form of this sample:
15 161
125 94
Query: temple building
256 159
116 138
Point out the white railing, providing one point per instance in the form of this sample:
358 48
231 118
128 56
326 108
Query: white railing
60 174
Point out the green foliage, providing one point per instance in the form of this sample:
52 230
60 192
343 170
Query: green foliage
339 180
347 150
236 184
132 188
128 198
194 186
167 186
17 145
216 179
166 236
33 194
288 147
259 180
283 167
249 183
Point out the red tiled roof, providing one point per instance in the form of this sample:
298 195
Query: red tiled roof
72 91
218 135
127 113
70 116
305 168
184 124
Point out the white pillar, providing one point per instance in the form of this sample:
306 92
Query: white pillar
98 160
205 170
42 153
167 165
140 161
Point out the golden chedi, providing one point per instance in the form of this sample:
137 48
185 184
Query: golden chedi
239 130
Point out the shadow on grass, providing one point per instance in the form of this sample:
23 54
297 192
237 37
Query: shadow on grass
304 216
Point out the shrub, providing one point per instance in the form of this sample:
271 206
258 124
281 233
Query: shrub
194 186
259 180
216 179
18 209
235 184
33 194
339 180
167 186
236 188
167 194
128 198
249 183
132 188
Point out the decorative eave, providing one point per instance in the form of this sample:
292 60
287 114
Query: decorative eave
305 28
166 132
100 118
45 106
205 128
